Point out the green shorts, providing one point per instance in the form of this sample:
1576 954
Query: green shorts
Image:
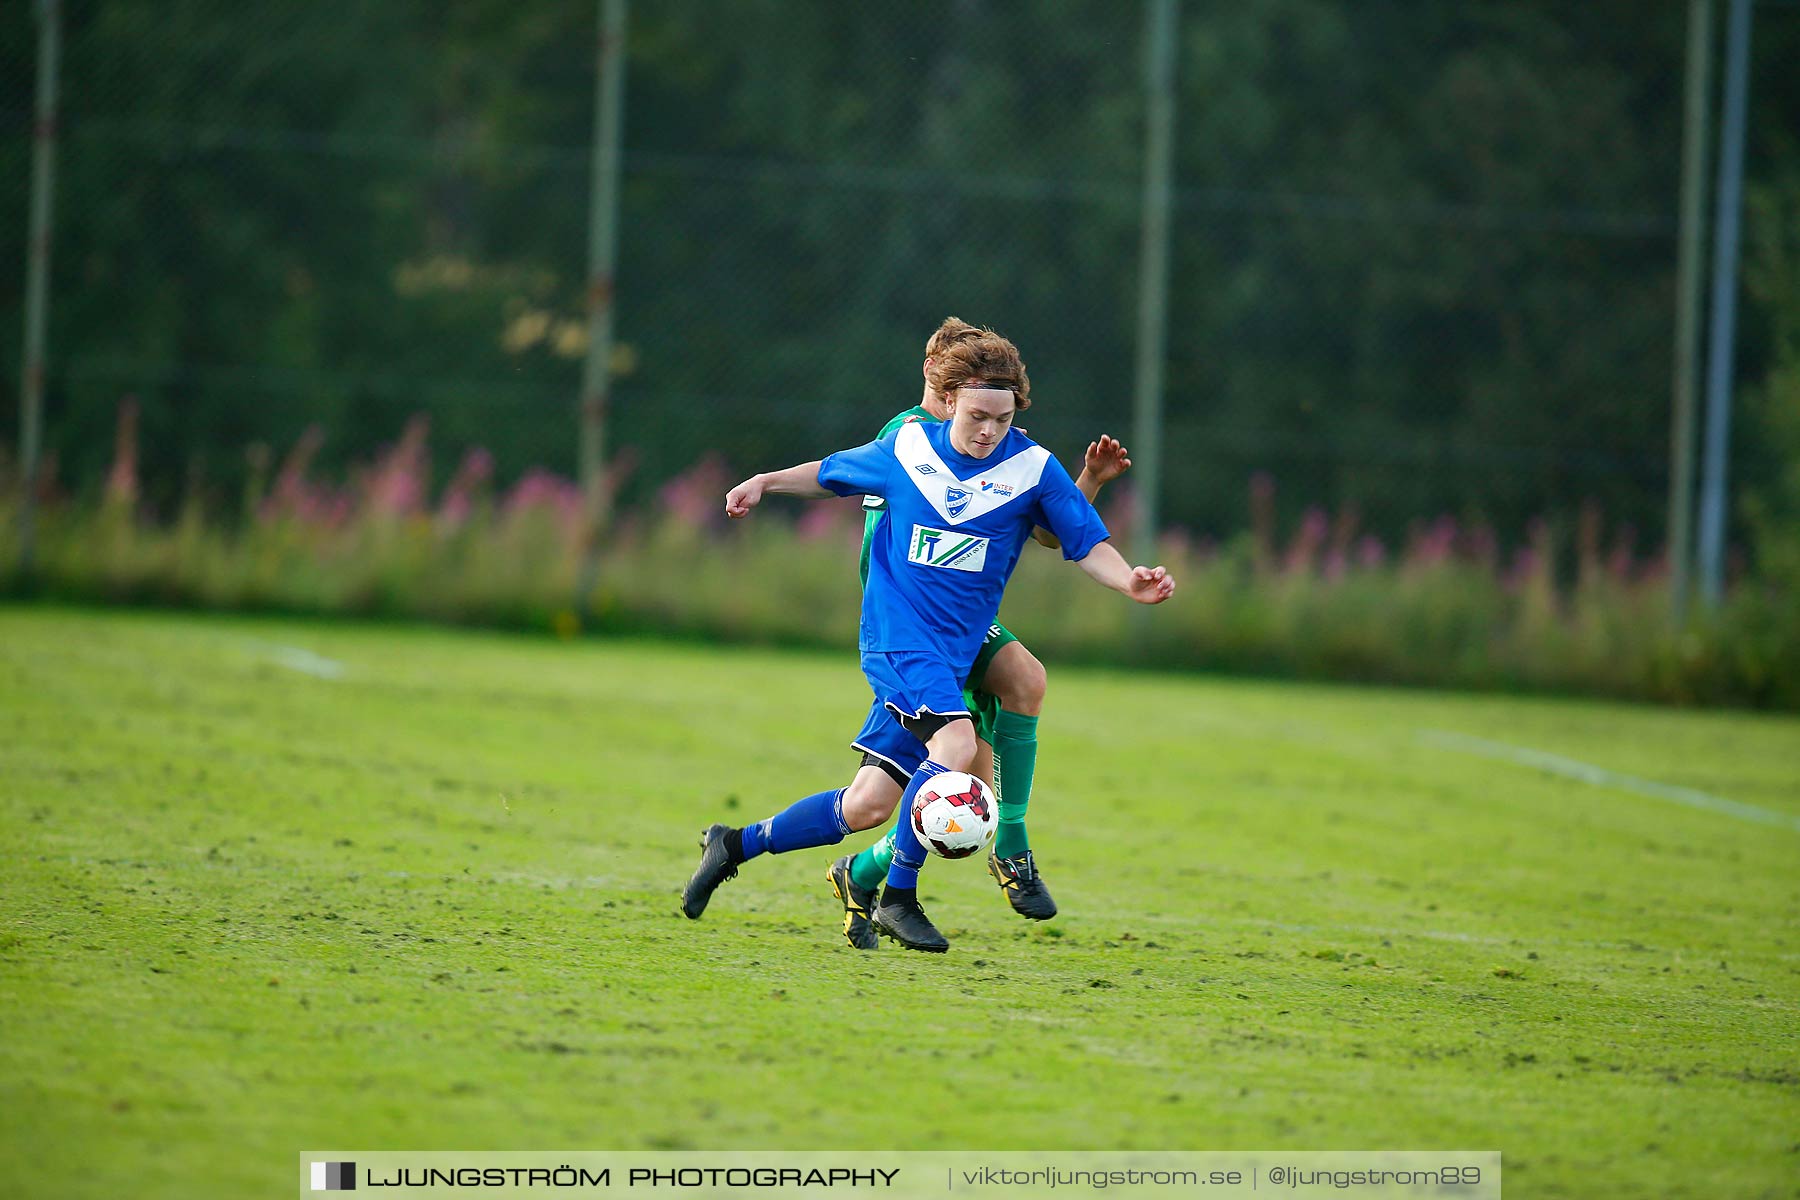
984 705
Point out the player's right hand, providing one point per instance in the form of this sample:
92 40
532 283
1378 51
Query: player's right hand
744 497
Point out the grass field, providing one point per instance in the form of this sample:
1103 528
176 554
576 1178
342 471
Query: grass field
276 885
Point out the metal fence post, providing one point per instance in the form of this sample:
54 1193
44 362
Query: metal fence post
37 284
1727 221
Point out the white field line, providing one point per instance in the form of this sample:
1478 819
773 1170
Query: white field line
295 658
1570 768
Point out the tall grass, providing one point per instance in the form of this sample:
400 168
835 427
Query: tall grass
1324 601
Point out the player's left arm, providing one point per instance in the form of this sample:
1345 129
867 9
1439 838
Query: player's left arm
1105 461
1146 585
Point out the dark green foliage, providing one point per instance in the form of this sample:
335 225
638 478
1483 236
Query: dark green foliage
1423 253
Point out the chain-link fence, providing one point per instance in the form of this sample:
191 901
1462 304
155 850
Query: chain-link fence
1422 262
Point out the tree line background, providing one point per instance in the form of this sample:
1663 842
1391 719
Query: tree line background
1423 253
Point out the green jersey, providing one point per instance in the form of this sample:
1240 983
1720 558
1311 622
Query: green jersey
874 507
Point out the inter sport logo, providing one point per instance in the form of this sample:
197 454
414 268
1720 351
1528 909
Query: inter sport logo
334 1177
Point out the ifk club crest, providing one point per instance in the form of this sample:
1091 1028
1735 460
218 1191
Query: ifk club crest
955 500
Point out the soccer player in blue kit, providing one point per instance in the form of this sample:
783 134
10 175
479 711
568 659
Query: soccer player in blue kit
1004 694
963 496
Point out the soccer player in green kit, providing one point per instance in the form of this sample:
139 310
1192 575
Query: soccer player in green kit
1005 691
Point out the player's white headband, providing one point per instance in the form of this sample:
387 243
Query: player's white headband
993 392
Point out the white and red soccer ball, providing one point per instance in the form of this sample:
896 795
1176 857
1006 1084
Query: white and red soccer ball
954 814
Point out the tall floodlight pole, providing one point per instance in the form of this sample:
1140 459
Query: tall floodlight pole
1153 270
37 272
1688 272
603 253
1724 303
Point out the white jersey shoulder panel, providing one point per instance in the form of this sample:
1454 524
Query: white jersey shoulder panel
963 499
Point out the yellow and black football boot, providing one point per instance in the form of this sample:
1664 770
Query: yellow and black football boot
858 902
1024 887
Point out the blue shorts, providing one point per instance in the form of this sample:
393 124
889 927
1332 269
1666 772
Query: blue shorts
912 689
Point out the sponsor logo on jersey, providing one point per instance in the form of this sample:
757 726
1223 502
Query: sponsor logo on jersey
947 548
925 469
999 489
956 499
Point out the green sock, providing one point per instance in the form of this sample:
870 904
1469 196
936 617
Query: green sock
1015 760
869 868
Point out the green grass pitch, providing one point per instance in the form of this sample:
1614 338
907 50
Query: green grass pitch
278 885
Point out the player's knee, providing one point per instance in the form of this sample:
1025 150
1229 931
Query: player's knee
869 800
953 746
1023 684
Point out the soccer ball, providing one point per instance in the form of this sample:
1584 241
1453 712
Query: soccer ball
954 814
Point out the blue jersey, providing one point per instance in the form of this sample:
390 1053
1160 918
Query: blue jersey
955 526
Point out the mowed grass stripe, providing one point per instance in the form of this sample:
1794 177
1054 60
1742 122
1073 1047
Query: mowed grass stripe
431 901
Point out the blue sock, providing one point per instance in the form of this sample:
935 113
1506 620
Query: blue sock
909 851
817 820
